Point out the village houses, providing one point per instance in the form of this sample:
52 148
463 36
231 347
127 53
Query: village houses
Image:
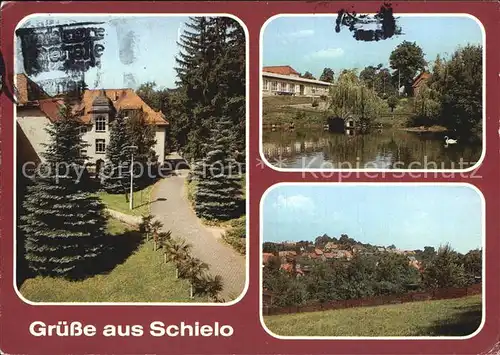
288 259
96 109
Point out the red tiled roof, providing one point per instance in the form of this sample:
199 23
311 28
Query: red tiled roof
122 99
266 257
318 251
422 77
289 267
51 108
287 253
24 87
281 69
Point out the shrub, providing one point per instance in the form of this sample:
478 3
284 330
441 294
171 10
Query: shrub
236 235
191 191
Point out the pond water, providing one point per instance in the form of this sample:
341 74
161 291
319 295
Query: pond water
313 148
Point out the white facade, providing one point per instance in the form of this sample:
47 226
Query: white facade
276 84
160 135
34 122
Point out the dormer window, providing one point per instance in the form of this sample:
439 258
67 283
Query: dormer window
83 130
100 124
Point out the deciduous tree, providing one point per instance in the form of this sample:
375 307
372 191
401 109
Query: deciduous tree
407 60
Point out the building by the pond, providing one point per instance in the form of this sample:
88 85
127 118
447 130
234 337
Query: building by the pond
284 80
419 81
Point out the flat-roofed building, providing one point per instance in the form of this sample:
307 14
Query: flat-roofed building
284 80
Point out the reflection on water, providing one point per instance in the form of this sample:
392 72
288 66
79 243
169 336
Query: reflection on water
385 149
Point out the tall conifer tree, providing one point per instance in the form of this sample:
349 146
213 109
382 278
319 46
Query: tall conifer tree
218 195
116 171
141 135
211 72
63 223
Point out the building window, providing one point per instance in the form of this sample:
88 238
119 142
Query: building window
266 85
297 87
274 86
100 146
126 113
100 124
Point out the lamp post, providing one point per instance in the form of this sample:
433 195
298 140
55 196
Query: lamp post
131 199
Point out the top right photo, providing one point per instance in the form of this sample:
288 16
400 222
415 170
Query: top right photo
373 92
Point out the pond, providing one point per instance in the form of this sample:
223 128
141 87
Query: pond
314 148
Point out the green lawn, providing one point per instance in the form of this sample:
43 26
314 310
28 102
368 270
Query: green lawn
119 203
134 274
456 317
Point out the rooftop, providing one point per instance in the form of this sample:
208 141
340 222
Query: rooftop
122 99
297 79
280 69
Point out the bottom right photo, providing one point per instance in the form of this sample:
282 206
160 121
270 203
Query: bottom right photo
372 260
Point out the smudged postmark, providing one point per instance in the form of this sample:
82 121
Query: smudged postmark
62 86
74 47
129 80
384 22
127 47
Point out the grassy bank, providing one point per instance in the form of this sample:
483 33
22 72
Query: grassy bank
434 128
277 110
118 202
456 317
136 274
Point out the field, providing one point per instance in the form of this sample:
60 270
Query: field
135 274
455 317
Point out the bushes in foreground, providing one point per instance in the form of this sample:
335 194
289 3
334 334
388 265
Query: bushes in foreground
187 267
236 235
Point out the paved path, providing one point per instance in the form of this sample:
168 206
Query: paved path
176 214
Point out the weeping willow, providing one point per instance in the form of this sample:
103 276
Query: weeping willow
427 103
351 98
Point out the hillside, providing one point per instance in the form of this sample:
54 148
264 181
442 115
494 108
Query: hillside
456 317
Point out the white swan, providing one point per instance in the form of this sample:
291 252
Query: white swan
449 141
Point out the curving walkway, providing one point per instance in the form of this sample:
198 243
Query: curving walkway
172 208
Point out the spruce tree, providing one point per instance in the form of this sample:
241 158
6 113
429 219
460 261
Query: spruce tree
116 174
218 195
193 70
141 135
211 72
63 224
231 75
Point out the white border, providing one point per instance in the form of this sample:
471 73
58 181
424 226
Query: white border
247 116
475 166
374 184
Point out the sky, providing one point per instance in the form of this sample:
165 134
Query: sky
153 49
410 217
310 43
